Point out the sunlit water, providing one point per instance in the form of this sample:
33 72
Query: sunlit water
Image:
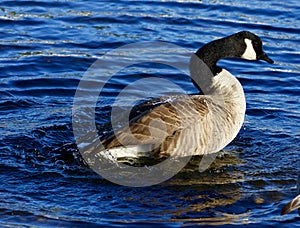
47 46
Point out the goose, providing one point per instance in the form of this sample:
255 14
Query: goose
196 124
293 204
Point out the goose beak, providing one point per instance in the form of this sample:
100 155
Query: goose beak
265 57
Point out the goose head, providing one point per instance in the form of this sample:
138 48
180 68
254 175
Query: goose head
203 64
252 47
245 45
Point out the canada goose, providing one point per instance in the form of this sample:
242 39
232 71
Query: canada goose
195 124
293 204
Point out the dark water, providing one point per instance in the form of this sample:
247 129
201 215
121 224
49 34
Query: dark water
47 46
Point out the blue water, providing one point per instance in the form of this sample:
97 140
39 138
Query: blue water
45 49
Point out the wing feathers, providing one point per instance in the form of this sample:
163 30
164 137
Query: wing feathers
169 127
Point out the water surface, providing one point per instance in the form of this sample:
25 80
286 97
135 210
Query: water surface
47 46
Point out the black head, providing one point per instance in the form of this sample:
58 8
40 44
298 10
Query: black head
252 47
243 44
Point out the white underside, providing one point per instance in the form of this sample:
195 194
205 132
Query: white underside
132 151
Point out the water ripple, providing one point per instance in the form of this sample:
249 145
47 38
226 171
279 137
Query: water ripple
46 47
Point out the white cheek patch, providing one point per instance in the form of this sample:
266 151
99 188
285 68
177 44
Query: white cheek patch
249 53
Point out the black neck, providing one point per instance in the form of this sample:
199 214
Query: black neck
212 52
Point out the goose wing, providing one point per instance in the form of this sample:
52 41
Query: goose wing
170 126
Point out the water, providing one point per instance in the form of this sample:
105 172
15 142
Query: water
47 46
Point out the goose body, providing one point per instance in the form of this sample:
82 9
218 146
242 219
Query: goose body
294 203
196 124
